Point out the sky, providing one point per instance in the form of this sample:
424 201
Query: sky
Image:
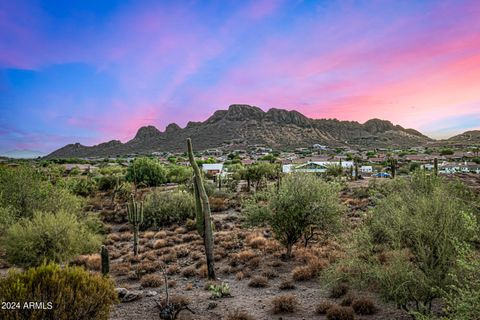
92 71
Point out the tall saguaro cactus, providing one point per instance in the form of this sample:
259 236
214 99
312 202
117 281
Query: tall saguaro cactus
135 217
204 223
393 167
435 166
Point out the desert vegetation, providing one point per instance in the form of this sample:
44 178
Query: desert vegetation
156 240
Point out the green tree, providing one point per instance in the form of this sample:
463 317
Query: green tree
178 174
146 172
416 230
301 202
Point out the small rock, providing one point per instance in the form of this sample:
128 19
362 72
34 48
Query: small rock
151 293
132 296
211 305
121 292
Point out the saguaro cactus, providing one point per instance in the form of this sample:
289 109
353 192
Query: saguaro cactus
393 167
105 260
435 166
202 201
135 217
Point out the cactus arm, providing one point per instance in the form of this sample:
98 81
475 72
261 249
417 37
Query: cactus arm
208 237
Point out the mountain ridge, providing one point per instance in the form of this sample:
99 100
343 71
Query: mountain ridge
242 125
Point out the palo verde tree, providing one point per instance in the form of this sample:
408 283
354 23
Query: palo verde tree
300 204
411 243
203 213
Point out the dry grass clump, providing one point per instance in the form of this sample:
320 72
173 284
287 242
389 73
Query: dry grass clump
239 275
339 290
114 237
287 303
269 273
182 252
189 272
172 283
364 306
347 300
189 286
323 307
180 230
302 273
125 236
242 257
340 313
90 262
149 266
239 315
203 271
173 269
258 282
122 269
257 242
149 256
149 234
151 281
188 238
160 243
168 258
286 284
160 235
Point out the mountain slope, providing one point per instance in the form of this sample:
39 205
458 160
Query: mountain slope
244 125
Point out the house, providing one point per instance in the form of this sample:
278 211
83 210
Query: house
314 167
366 169
212 168
81 167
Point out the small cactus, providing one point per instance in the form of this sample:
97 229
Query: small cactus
135 217
105 261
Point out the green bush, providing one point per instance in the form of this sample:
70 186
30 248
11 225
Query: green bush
179 174
164 208
301 204
146 172
108 182
73 293
56 237
81 186
408 247
24 190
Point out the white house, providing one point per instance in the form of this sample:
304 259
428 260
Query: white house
366 169
314 166
212 168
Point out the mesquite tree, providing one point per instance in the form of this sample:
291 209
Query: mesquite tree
204 223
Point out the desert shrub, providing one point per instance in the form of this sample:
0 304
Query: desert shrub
340 313
301 202
323 307
287 303
286 285
239 315
462 296
151 280
339 290
417 228
24 190
364 306
109 182
258 282
146 172
165 208
179 174
74 293
56 237
81 186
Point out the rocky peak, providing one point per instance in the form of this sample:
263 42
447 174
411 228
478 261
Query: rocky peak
242 112
172 127
285 116
147 132
378 126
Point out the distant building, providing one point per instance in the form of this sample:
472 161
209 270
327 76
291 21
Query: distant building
366 169
212 168
314 167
